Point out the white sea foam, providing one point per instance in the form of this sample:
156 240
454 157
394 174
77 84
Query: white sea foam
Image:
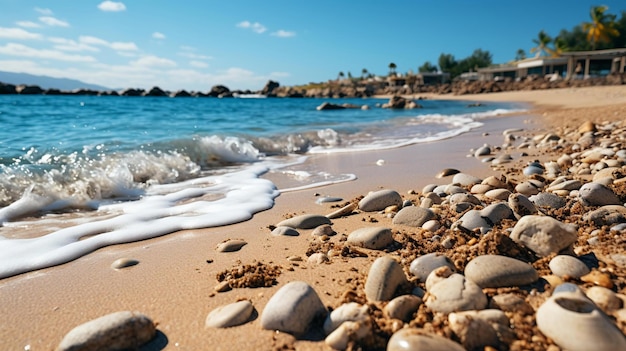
243 194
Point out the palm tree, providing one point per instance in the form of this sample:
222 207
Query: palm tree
340 75
520 55
392 68
601 27
543 41
363 73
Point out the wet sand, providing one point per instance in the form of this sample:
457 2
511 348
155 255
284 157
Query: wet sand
174 282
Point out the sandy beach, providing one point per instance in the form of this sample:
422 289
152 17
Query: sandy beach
174 282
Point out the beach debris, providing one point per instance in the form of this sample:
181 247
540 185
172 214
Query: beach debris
384 277
121 263
419 339
544 235
379 200
284 231
306 221
494 271
375 238
292 309
116 331
255 275
575 323
413 216
380 162
344 211
230 315
230 245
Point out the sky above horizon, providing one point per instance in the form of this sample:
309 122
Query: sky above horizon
242 44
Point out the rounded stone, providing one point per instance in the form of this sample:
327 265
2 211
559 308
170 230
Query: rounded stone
413 216
346 332
565 184
350 311
432 225
318 258
230 245
495 271
403 307
565 265
527 188
464 179
474 332
284 231
379 200
384 277
455 293
324 229
413 339
423 265
230 315
605 298
375 238
498 194
121 263
521 205
464 197
447 172
486 217
549 200
511 303
307 221
116 331
544 235
574 323
596 194
292 308
482 151
344 211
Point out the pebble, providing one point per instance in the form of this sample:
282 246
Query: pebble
432 225
230 245
455 293
495 271
116 331
480 188
598 278
482 151
384 277
347 331
413 216
447 172
414 339
464 197
474 332
344 211
511 303
307 221
498 194
350 311
485 218
604 298
423 265
565 265
521 205
527 188
606 215
324 229
286 231
547 200
596 194
379 200
326 199
494 182
230 315
375 238
530 170
464 179
124 263
544 235
402 307
318 258
574 323
292 309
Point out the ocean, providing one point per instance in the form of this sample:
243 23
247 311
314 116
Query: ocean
78 173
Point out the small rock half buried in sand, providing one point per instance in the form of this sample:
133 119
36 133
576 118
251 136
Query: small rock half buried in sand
230 245
230 315
124 263
116 331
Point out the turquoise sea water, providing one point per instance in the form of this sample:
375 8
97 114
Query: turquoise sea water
173 163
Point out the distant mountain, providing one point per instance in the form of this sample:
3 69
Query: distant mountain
46 82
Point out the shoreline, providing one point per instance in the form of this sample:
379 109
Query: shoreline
174 283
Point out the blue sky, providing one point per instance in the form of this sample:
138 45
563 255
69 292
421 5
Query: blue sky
193 44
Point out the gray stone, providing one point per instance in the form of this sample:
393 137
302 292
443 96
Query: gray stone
115 331
447 172
375 238
384 277
379 200
564 265
565 184
498 194
124 263
230 315
530 170
596 194
307 221
521 205
543 235
549 200
464 197
527 188
455 293
286 231
292 309
494 271
482 151
350 311
403 307
413 216
423 265
511 303
485 218
414 339
230 245
606 215
324 229
474 332
464 179
325 199
604 298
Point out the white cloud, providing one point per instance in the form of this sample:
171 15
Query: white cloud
194 56
14 49
284 34
116 45
86 39
28 24
255 27
198 64
153 61
53 22
18 33
121 46
158 35
112 6
45 12
64 44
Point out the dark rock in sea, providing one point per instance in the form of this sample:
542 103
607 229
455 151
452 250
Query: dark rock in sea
398 102
132 92
328 106
181 93
29 90
7 89
269 88
156 91
54 92
88 92
218 90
